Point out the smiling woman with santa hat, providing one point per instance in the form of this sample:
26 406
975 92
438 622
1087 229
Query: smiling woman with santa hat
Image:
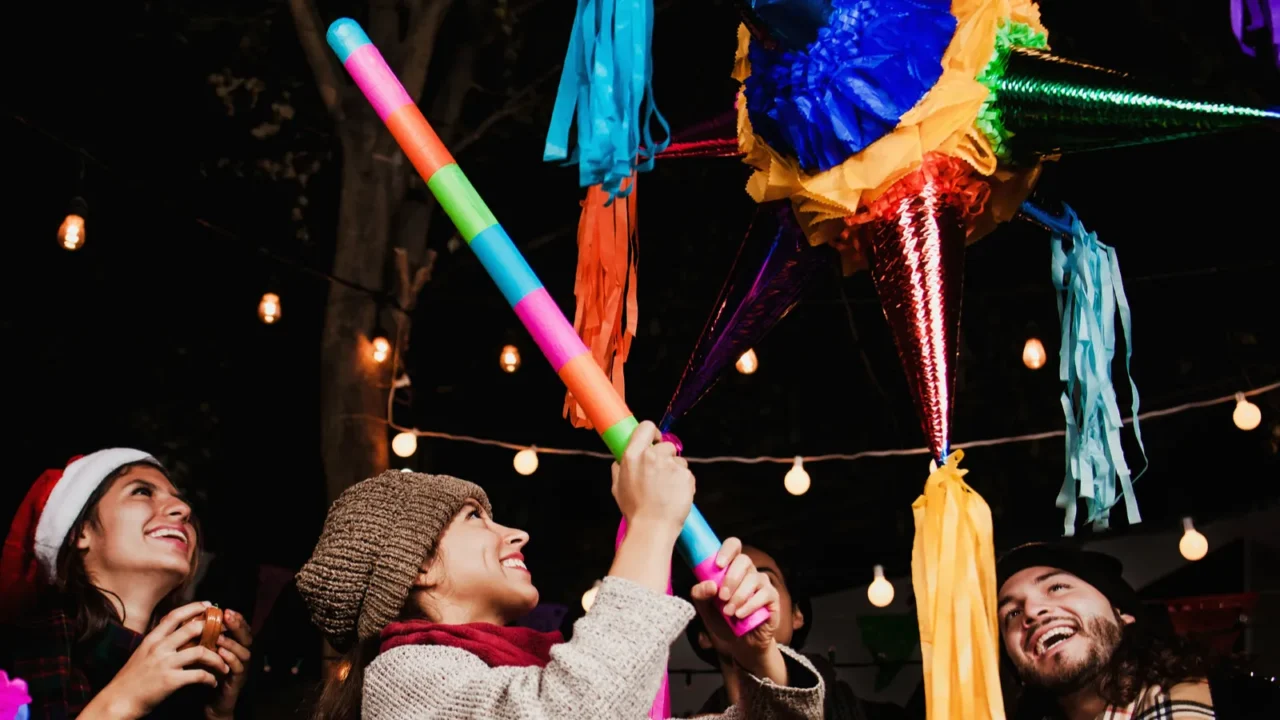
91 577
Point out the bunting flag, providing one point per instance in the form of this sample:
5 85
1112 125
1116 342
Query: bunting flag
607 311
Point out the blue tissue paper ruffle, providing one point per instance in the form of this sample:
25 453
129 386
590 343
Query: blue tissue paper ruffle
872 62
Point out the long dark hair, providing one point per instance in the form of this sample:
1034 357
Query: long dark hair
1149 653
342 695
89 605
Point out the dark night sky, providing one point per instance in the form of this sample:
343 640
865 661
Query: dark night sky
150 332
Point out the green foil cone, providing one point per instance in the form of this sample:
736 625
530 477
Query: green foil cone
1049 105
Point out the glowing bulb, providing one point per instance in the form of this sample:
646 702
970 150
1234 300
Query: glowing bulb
526 461
1247 416
344 669
748 363
797 480
404 444
406 469
880 591
1193 545
71 232
510 358
1033 355
589 597
381 349
269 308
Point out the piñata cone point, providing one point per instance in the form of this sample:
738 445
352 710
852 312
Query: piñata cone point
774 267
915 248
1052 105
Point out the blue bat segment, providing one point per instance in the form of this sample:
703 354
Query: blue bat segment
505 264
346 36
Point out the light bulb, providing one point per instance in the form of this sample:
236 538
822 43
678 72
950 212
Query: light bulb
269 308
526 461
406 469
510 358
748 362
880 591
344 669
404 444
1247 416
71 232
1033 355
589 597
1193 545
381 349
797 480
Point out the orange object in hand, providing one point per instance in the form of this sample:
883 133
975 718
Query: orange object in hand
212 629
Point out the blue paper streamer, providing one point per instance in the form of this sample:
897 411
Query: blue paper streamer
1090 295
872 62
608 80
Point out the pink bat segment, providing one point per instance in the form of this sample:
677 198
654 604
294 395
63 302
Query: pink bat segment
707 570
549 328
376 80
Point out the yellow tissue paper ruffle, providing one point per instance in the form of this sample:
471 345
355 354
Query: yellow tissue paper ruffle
943 121
953 573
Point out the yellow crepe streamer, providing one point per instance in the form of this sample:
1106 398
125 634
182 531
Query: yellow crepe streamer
943 121
953 572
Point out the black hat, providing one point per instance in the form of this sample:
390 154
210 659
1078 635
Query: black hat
1103 572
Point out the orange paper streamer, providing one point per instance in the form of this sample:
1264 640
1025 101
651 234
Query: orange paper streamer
605 288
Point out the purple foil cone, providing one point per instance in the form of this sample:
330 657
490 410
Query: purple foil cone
768 278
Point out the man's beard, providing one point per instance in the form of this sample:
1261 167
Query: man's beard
1102 636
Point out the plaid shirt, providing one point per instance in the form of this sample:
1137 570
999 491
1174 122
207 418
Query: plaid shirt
63 675
1184 701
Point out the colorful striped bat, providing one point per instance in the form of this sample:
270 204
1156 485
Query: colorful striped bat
540 315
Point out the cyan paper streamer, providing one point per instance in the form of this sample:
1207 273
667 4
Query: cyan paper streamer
1090 295
608 80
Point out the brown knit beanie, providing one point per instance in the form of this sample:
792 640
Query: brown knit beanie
376 537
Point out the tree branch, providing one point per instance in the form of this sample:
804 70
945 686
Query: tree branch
514 104
419 45
306 20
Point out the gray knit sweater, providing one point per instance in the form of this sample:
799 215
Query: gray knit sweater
611 668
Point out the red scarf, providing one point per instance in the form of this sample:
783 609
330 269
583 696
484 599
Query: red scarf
497 646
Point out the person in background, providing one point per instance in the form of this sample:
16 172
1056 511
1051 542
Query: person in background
91 579
417 583
1082 647
797 618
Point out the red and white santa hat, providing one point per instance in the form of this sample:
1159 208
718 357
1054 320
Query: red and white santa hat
45 517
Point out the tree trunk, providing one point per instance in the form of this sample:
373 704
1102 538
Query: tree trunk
353 431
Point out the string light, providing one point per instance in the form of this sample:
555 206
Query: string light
526 461
797 480
71 233
848 457
381 349
269 308
344 669
510 358
1033 354
1246 416
880 591
748 362
404 444
589 597
1193 545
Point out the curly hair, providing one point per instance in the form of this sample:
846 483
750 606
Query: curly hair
1148 655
